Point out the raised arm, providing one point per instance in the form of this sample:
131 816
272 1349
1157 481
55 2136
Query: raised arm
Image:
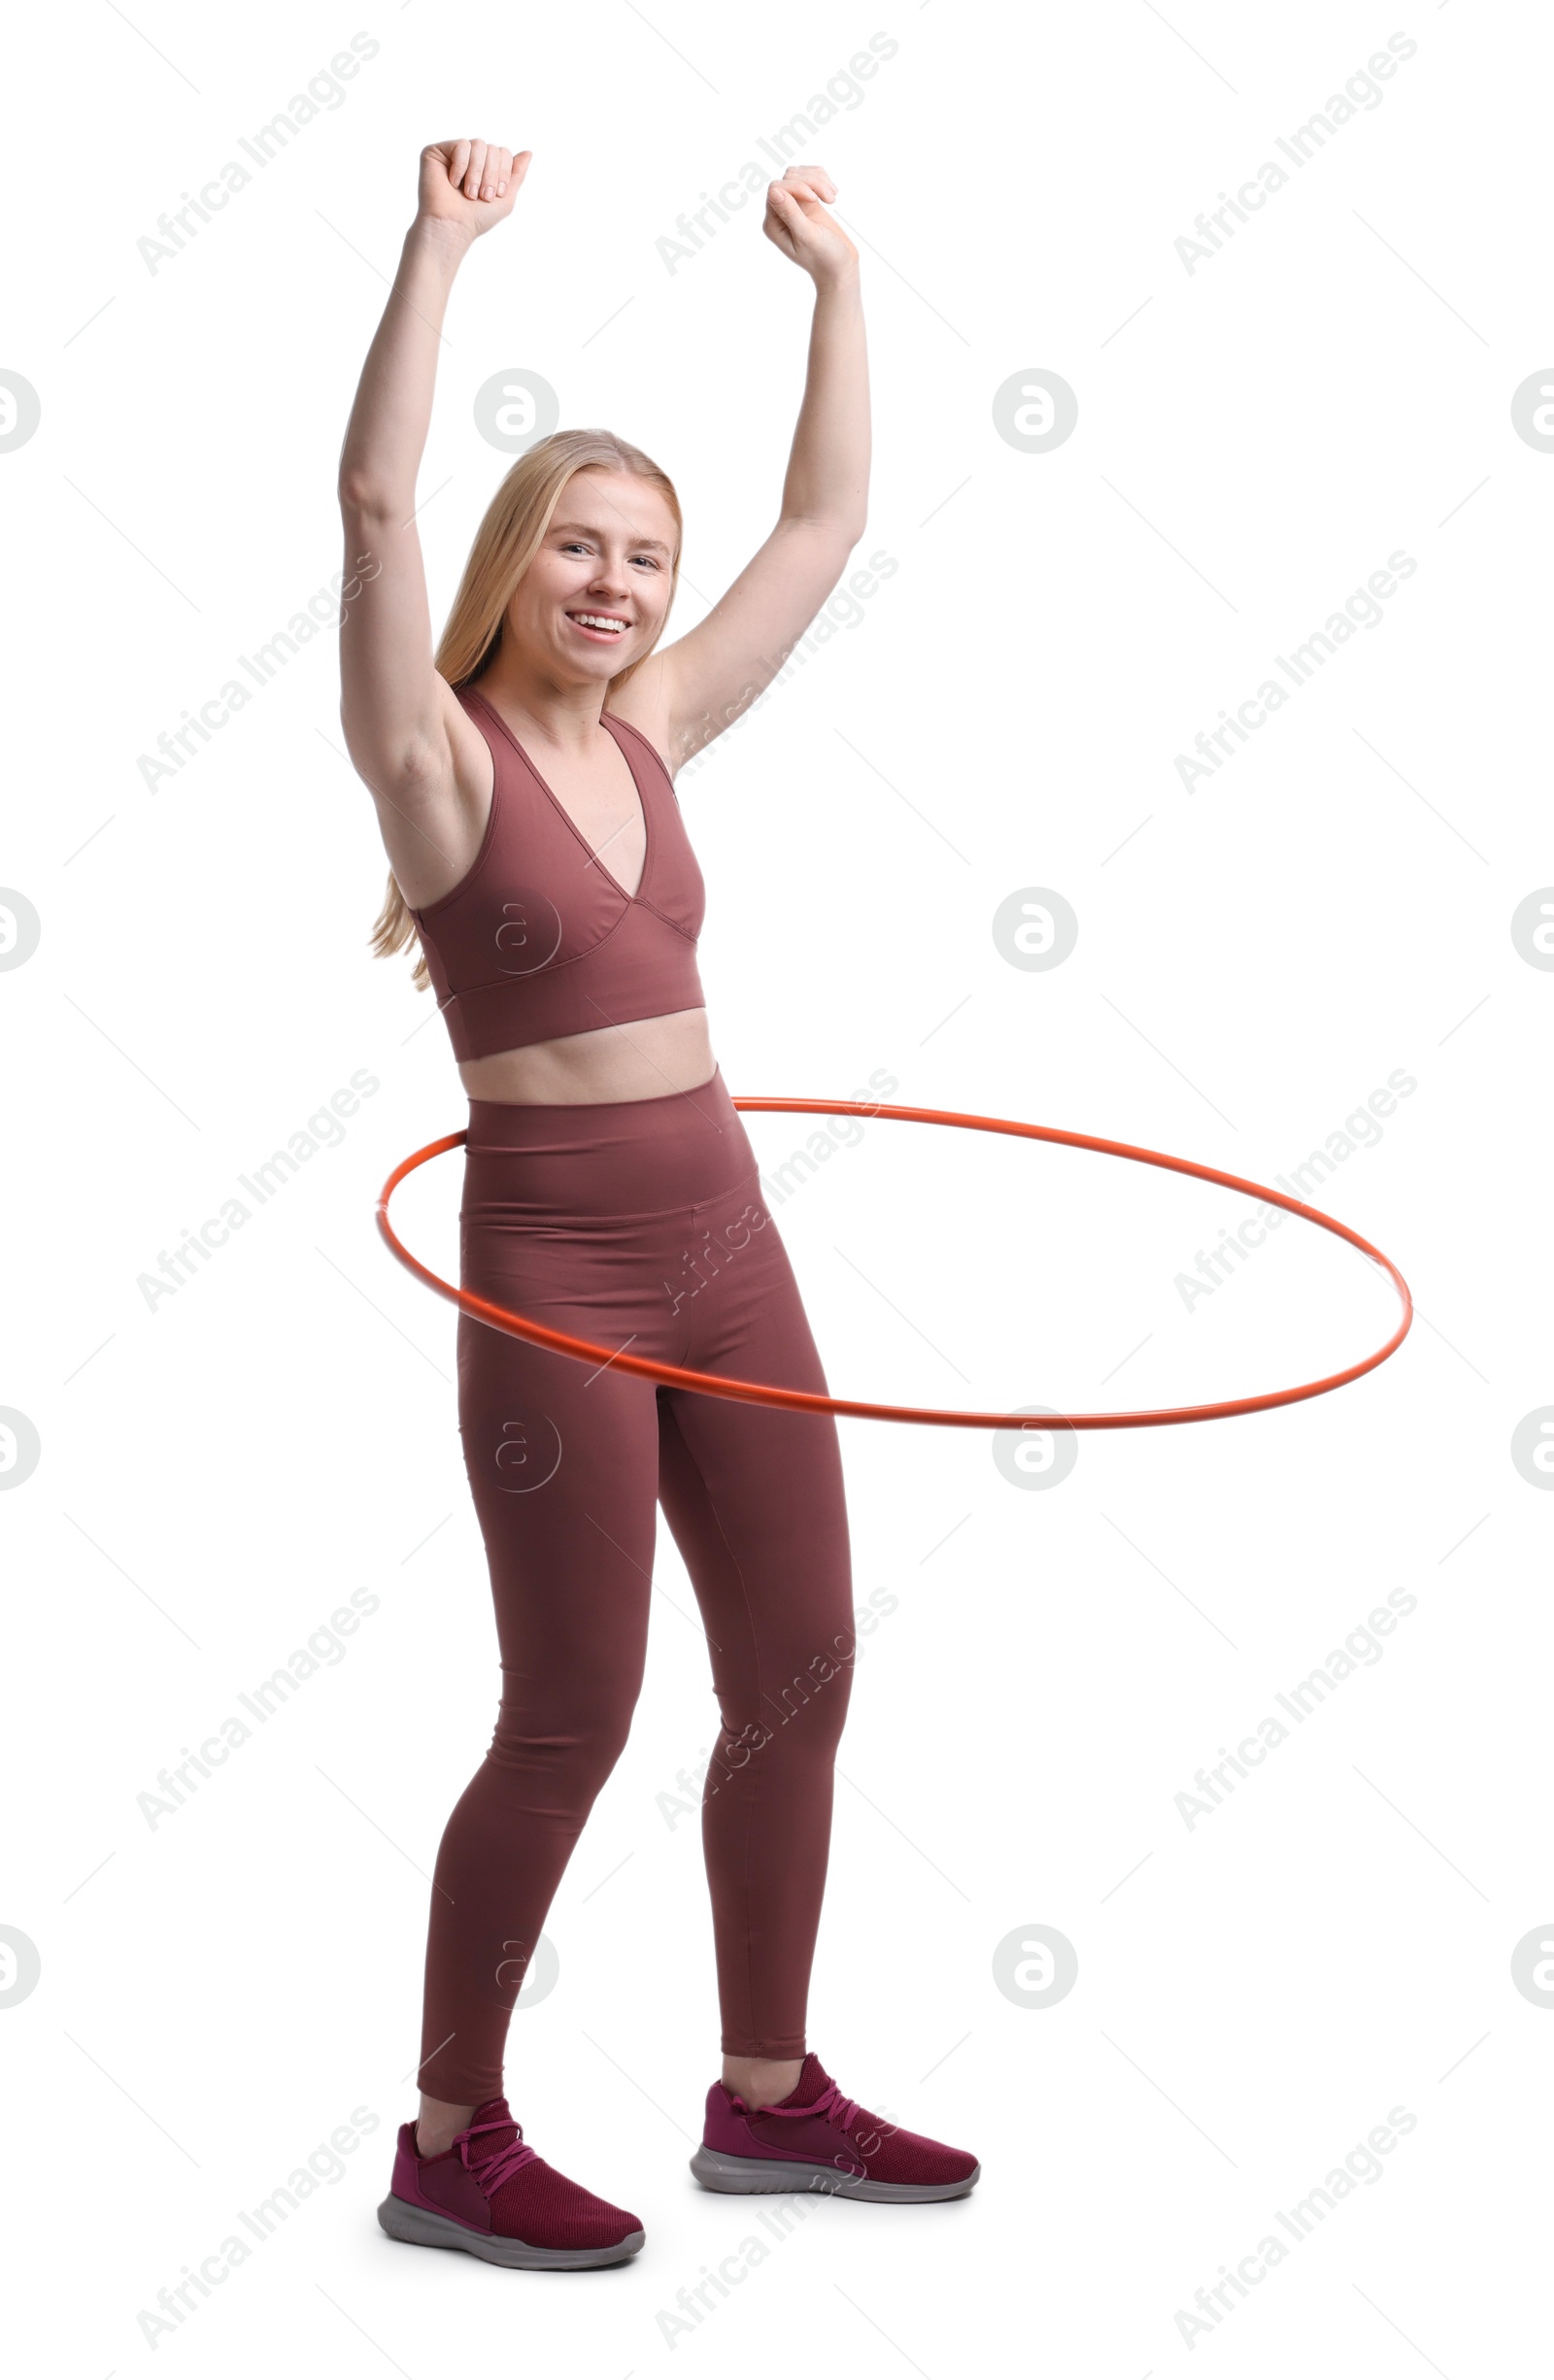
395 710
699 686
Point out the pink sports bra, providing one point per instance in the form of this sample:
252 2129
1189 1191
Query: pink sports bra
538 939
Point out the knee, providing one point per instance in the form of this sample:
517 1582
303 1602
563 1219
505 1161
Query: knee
817 1725
807 1710
576 1747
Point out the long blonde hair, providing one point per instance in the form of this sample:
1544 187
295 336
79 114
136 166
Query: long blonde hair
506 542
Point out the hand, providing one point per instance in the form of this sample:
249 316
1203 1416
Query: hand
469 183
797 222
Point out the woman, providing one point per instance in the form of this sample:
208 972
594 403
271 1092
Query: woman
523 790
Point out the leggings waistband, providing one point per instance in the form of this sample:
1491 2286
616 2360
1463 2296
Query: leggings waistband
639 1157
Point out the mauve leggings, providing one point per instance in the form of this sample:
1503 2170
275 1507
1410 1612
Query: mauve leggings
640 1221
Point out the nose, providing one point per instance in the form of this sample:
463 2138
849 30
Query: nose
609 580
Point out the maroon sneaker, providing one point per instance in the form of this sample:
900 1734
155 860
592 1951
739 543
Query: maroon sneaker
816 2140
495 2195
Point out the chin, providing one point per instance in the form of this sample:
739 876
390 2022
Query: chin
596 658
588 665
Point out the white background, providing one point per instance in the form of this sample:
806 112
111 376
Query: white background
1254 439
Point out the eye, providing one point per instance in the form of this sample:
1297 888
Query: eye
651 560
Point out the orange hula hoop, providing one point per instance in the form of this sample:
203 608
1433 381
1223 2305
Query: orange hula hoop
803 1400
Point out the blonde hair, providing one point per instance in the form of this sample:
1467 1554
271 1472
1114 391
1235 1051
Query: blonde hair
506 542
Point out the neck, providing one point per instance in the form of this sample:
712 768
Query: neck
553 711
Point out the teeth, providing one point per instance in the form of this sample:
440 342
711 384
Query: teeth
591 620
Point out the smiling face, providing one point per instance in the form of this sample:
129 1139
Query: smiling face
597 593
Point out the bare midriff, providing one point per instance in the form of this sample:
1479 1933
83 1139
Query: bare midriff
650 1058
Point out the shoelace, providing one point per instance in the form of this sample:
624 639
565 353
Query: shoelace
493 2167
831 2108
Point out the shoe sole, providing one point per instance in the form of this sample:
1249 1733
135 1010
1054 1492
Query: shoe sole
422 2229
743 2175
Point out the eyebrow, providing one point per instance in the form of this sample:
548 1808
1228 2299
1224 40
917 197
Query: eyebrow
580 529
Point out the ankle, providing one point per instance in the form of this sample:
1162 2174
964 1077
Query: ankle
762 2081
439 2124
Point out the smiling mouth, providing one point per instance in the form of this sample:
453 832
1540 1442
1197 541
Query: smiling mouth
600 625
